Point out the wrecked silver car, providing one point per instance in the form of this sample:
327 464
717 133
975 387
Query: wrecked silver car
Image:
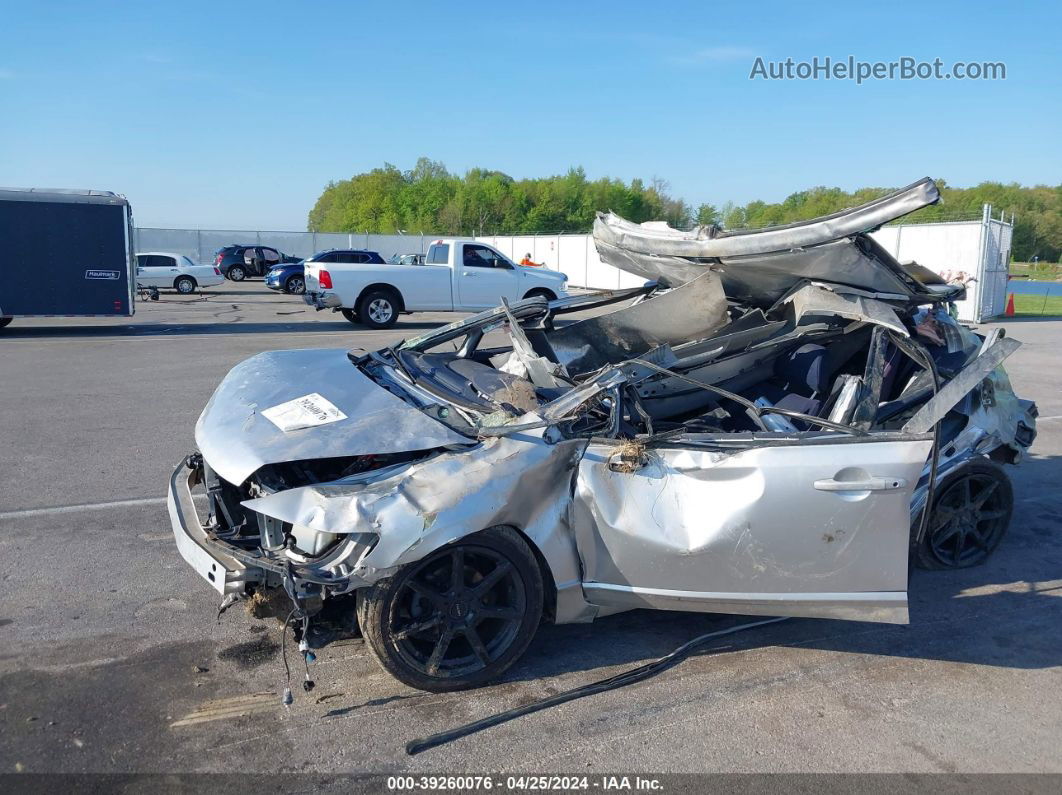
759 430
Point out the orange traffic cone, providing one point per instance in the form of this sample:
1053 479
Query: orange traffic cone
1010 306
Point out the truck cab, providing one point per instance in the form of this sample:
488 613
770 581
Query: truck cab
458 275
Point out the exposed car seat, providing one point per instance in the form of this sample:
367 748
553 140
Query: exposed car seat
807 378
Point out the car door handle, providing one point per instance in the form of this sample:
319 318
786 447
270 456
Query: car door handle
867 484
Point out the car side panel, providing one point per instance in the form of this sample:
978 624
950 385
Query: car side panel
423 287
203 274
812 530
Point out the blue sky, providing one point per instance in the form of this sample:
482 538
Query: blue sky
235 115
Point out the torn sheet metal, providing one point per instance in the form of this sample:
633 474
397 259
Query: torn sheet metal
759 266
668 271
236 439
762 279
960 386
707 242
691 312
814 301
518 481
859 263
524 362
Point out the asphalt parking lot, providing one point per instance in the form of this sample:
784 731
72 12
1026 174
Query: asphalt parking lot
111 659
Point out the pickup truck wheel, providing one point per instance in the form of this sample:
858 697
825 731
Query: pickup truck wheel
237 273
378 309
185 285
970 516
541 292
4 321
295 285
458 618
350 315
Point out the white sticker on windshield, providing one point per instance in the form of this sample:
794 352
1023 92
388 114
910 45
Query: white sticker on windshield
307 411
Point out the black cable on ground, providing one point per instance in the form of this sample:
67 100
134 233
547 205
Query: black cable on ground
613 682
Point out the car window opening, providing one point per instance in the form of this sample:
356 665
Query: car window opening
771 373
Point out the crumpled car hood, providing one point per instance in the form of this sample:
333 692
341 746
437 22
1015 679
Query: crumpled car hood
236 440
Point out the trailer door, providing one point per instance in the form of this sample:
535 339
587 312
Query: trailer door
65 257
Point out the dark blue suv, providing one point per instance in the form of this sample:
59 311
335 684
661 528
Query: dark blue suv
288 277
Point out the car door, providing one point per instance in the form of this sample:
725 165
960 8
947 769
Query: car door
143 274
815 527
205 275
155 270
269 258
483 277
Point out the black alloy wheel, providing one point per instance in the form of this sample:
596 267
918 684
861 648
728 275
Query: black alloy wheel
971 512
458 618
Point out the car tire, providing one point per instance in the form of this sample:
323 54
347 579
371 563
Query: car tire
5 321
458 618
378 309
971 512
236 273
185 285
350 315
295 285
541 292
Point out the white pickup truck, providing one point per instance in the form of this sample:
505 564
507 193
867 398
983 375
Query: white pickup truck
457 276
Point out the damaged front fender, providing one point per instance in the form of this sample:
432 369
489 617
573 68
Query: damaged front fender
518 481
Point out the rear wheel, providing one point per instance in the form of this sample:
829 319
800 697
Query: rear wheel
185 285
295 285
237 273
4 321
458 618
971 513
350 315
378 309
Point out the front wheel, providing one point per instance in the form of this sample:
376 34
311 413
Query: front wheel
4 321
185 285
295 286
237 273
970 516
378 309
458 618
540 292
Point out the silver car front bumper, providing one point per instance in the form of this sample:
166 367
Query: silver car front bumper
207 556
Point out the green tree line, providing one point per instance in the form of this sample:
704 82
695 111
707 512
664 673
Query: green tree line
429 199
